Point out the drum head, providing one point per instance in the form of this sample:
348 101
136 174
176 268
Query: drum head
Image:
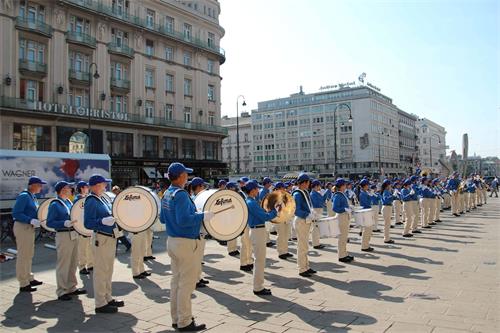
136 208
231 213
77 215
42 212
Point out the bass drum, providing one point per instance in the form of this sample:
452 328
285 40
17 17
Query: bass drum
136 208
231 213
42 212
77 215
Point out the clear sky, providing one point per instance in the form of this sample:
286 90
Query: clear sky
438 59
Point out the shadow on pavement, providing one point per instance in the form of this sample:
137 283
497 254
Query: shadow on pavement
402 271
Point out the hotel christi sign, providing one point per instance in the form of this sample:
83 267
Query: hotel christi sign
79 111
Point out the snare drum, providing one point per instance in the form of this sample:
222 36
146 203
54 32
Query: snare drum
42 212
77 215
231 213
364 217
328 227
136 208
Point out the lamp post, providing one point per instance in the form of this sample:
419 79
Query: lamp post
430 146
335 129
95 76
238 132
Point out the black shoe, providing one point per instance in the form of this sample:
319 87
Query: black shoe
392 227
90 269
360 233
319 247
346 259
350 257
305 274
138 276
116 303
35 283
263 292
427 227
192 327
283 256
84 271
457 215
369 249
64 297
432 223
200 285
106 309
311 271
234 253
294 239
78 292
151 257
246 268
269 244
204 281
275 233
146 274
27 288
389 242
407 235
289 255
399 223
376 230
438 221
416 232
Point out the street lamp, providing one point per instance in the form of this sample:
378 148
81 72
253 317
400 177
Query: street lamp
335 129
430 146
238 132
95 76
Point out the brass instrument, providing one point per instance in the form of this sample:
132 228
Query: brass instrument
284 199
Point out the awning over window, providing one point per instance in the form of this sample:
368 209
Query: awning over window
152 173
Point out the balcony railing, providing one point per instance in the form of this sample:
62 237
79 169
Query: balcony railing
103 9
37 26
109 116
81 38
32 67
120 84
121 50
79 77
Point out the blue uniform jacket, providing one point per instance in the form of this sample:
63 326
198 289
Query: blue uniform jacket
405 194
256 214
375 199
452 184
262 193
418 192
387 198
340 203
95 210
427 193
365 200
179 214
25 207
59 211
301 206
318 200
471 188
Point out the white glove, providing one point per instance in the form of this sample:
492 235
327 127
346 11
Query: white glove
109 221
348 210
207 216
311 216
35 223
412 192
68 223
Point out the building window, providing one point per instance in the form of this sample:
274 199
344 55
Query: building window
78 97
169 147
118 37
210 150
31 51
78 62
149 109
150 146
79 25
187 58
31 90
120 7
169 24
120 144
149 78
211 92
29 137
169 53
187 115
189 149
187 32
119 103
169 83
150 18
187 87
150 47
210 66
119 71
32 11
169 112
211 40
211 119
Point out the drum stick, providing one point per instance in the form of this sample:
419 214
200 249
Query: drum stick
223 210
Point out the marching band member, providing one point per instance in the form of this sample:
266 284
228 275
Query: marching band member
341 207
398 203
387 200
257 218
365 201
232 245
290 187
246 260
318 204
58 217
263 192
407 197
183 225
97 217
283 230
375 204
85 255
25 218
470 193
415 196
329 203
198 185
137 254
221 185
427 201
304 215
452 187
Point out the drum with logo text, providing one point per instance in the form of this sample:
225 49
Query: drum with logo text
136 208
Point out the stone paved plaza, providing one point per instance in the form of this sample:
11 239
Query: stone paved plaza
444 280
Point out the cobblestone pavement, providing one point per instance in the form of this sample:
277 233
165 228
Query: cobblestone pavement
444 280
